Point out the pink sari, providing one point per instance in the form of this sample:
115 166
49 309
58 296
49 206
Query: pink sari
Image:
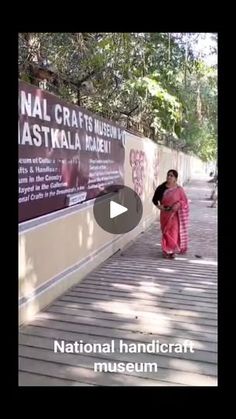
174 225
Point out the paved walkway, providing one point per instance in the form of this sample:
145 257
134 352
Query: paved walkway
138 297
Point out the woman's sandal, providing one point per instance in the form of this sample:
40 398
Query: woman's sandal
168 255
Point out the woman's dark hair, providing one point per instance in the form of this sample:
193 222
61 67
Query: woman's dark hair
159 193
174 172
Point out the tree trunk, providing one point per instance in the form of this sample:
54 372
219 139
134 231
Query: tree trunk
78 97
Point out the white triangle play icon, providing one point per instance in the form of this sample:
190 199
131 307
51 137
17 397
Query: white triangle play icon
116 209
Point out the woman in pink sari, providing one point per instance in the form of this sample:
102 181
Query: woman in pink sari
170 198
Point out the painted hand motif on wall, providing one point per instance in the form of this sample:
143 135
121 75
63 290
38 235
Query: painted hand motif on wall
138 162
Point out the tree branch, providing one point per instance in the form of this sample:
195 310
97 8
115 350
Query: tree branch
130 112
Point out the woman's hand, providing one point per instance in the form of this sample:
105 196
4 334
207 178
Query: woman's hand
176 207
160 207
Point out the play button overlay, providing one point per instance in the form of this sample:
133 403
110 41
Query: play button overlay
119 210
116 209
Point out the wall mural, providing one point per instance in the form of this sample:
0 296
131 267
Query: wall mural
138 162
